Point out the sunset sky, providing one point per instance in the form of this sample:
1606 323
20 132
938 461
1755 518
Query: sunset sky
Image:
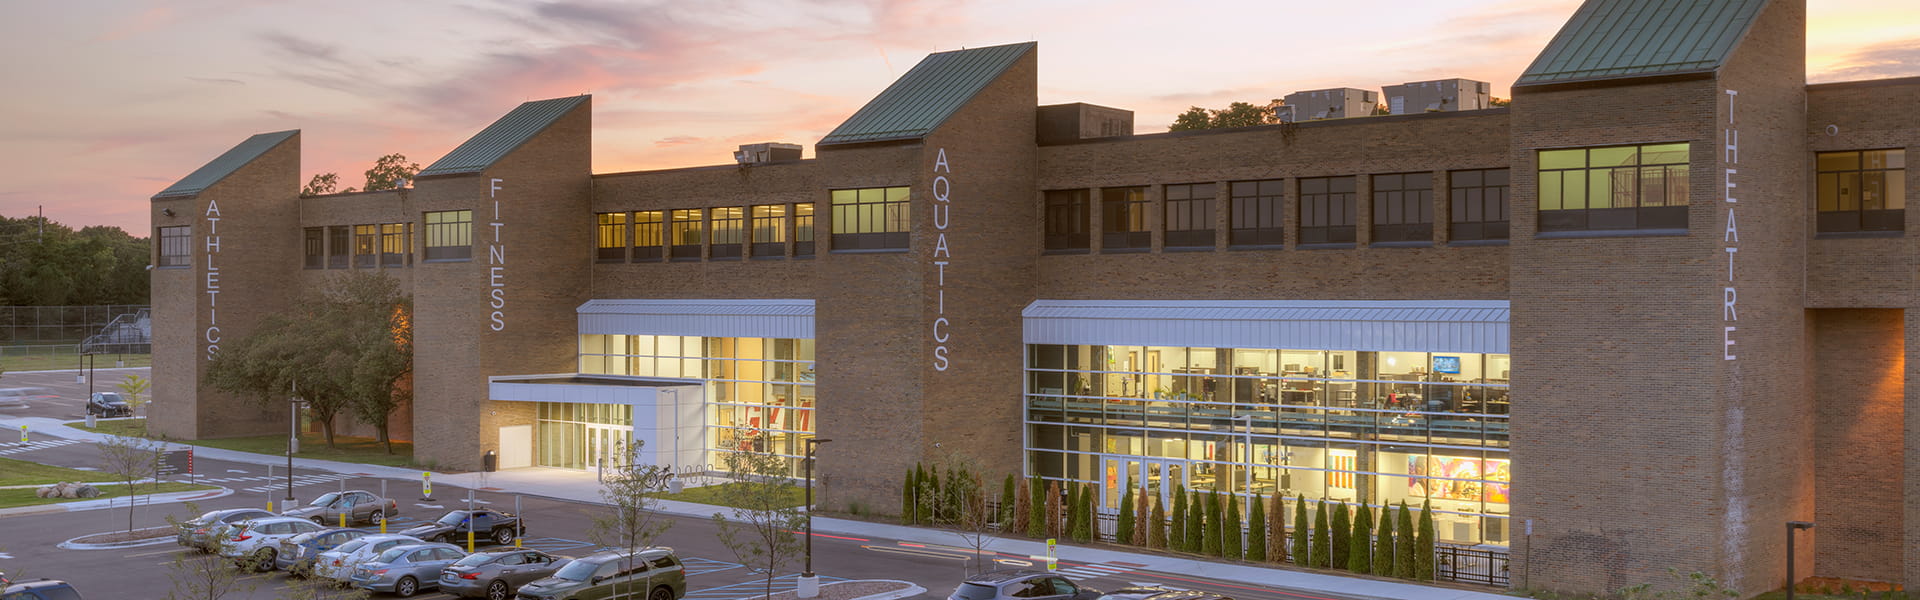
108 101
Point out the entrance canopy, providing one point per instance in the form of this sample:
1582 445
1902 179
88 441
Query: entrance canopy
762 318
1382 326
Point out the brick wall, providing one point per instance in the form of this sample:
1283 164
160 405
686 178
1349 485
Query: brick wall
1860 389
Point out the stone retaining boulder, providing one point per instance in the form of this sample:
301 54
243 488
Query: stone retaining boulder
67 490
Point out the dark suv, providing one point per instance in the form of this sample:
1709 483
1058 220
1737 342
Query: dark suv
108 404
653 573
1022 585
40 589
486 524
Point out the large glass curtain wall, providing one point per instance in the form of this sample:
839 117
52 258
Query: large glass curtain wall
582 436
759 391
1372 427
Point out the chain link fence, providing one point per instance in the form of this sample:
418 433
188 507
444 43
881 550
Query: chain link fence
54 325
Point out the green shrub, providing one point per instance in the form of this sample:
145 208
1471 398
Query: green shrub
1257 531
1007 496
1383 552
1301 553
1157 526
1123 530
1277 529
1196 521
1036 508
1403 548
907 497
1359 558
1085 532
1423 544
1178 537
1340 528
1210 541
1321 540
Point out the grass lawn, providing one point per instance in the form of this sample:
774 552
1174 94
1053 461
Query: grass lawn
20 472
24 496
64 358
796 495
366 451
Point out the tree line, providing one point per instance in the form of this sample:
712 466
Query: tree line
58 266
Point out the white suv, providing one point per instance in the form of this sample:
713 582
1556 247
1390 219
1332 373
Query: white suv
254 542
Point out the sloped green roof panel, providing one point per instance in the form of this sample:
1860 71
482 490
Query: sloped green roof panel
212 172
503 136
927 95
1609 39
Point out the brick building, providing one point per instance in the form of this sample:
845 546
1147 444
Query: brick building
1641 318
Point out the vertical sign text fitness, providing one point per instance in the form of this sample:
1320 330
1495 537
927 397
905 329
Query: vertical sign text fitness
1729 294
496 263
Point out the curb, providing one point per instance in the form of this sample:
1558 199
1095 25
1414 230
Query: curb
153 541
83 505
911 591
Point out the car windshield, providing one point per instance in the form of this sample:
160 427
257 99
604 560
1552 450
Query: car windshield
473 560
453 518
578 570
392 554
349 547
324 500
110 397
975 591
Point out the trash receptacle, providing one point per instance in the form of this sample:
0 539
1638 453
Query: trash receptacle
490 462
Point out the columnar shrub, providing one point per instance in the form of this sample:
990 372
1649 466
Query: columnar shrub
1383 553
1230 543
1338 531
1196 521
1022 507
1008 495
1302 552
1084 532
1072 526
1277 529
1178 537
1403 549
1360 544
1053 509
1210 540
1036 508
1321 552
1138 535
1157 526
1123 529
907 497
1257 531
1423 544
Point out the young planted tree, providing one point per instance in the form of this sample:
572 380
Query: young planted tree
1088 528
1383 548
1196 521
1322 541
908 498
134 390
196 576
1257 531
1022 508
929 494
1277 529
760 522
1302 552
1360 543
1142 516
1157 526
1339 529
1123 529
1211 541
1178 537
133 461
1403 549
1071 530
973 521
1008 498
1053 512
1230 542
631 520
1423 544
1037 508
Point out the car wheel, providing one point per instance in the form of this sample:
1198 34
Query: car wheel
503 536
376 516
498 591
661 593
406 587
263 559
321 521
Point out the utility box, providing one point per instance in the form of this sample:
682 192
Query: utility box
1061 123
1440 95
1335 103
753 154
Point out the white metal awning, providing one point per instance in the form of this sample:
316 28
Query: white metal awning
768 318
588 388
1379 326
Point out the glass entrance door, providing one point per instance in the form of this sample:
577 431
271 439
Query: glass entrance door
607 446
1155 477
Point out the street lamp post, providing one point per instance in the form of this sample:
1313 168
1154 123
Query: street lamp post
1792 528
293 439
809 581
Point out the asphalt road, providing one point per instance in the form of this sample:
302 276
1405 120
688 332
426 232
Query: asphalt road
60 394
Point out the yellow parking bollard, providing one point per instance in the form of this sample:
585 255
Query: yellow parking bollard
383 523
269 506
343 520
469 540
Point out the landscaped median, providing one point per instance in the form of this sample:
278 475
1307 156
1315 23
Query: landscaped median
19 479
359 450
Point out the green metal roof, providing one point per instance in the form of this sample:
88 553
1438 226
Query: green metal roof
503 136
1609 39
927 95
212 172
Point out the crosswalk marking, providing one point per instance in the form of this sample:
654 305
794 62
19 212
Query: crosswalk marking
1090 571
280 482
755 587
40 445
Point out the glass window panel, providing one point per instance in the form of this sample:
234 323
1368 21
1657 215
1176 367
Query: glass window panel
1563 159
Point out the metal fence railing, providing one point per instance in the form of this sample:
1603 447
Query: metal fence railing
44 325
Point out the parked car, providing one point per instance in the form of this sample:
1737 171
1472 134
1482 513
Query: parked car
108 404
39 589
1154 592
200 532
254 543
487 525
337 564
614 574
1022 584
359 507
499 574
297 553
405 570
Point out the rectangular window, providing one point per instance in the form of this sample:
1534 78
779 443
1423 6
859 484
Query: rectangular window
450 235
366 245
871 218
314 246
1256 219
174 249
729 231
610 244
803 229
1403 207
1190 215
1124 220
1861 191
394 245
769 230
339 245
689 228
1327 210
649 236
1067 220
1479 205
1619 187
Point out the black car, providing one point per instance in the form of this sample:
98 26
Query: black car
108 404
487 525
39 589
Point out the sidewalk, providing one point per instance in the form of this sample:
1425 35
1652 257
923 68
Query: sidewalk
575 486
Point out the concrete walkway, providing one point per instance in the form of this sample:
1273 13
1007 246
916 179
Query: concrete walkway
583 487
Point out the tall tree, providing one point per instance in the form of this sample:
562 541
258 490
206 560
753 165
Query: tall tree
130 460
759 526
1036 508
45 263
1123 529
1237 114
632 519
1277 529
321 185
390 172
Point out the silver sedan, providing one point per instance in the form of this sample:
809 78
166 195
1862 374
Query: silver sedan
497 575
